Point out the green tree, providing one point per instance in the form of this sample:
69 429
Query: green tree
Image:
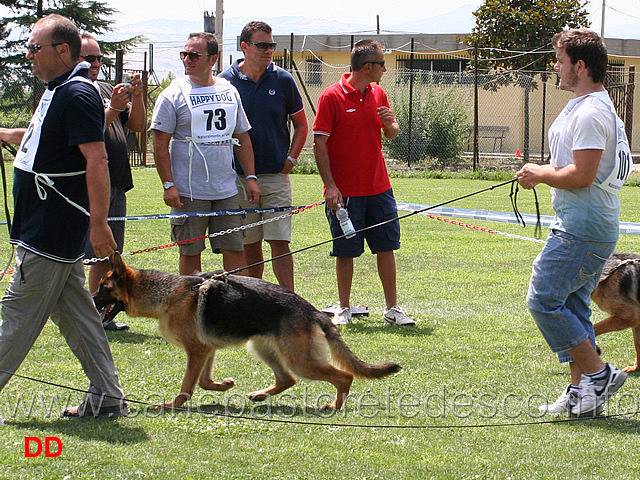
89 16
439 125
504 28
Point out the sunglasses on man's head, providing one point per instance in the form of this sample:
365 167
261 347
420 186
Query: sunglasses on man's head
36 47
193 56
381 63
92 58
264 46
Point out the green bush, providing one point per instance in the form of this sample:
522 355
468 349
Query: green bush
440 125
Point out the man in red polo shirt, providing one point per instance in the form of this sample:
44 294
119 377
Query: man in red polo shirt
348 150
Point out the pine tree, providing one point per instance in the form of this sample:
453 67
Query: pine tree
15 74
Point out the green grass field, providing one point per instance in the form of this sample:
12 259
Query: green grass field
465 405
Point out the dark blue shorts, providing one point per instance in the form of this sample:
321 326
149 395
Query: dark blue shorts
364 212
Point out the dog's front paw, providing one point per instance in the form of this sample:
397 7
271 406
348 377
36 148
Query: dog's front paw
631 368
230 382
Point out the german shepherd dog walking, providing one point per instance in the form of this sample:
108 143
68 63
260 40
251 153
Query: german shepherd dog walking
204 313
618 294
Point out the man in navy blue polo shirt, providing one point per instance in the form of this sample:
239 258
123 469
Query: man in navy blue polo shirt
60 176
270 98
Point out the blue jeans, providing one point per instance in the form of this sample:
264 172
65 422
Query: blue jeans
564 275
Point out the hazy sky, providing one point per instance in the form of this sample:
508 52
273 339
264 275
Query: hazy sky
617 12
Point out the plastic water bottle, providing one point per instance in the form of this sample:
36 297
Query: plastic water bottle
345 222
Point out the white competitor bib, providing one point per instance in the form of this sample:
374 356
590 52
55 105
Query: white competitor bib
624 163
213 117
213 110
26 155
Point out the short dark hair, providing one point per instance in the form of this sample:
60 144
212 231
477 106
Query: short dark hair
63 30
253 27
363 52
210 38
586 45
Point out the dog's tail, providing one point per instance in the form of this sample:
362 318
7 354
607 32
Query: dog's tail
344 358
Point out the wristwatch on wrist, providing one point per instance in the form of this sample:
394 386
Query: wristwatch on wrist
168 185
294 161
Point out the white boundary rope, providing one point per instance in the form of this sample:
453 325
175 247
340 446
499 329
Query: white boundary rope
629 228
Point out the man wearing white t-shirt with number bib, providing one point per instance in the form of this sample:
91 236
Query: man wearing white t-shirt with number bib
203 115
590 161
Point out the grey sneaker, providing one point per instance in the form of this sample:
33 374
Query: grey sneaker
396 316
564 403
593 393
342 316
86 410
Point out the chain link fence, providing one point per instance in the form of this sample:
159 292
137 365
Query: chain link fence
437 114
447 119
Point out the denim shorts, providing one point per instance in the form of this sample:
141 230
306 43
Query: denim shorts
564 275
364 212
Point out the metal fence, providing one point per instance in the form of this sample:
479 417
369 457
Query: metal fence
447 119
443 115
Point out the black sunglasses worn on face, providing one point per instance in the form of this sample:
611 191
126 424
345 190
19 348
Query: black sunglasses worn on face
193 56
35 47
92 58
377 63
264 46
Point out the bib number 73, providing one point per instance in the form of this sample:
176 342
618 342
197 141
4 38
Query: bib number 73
216 118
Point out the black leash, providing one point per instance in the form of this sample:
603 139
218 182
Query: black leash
227 415
492 187
14 152
513 196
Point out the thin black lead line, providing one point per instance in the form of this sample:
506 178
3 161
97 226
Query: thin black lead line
227 415
399 217
14 152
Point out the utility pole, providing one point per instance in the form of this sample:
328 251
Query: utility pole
604 5
219 13
213 24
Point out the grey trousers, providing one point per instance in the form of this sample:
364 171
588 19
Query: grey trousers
41 288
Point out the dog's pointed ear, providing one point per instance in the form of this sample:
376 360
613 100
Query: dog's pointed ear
117 265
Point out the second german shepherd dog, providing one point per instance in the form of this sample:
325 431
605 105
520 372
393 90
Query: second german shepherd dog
203 313
618 294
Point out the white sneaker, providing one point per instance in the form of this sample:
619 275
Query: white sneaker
396 316
593 393
564 403
342 316
561 405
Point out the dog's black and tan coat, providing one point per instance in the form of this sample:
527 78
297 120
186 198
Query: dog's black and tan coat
618 294
202 314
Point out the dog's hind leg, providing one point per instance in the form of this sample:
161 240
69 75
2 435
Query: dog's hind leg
338 378
206 377
284 380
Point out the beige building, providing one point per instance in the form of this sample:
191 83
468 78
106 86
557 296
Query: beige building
442 60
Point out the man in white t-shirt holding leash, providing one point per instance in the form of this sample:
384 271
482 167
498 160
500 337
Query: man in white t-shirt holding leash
590 161
203 115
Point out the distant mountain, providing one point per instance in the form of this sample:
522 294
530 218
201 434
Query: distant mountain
623 31
460 20
168 36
